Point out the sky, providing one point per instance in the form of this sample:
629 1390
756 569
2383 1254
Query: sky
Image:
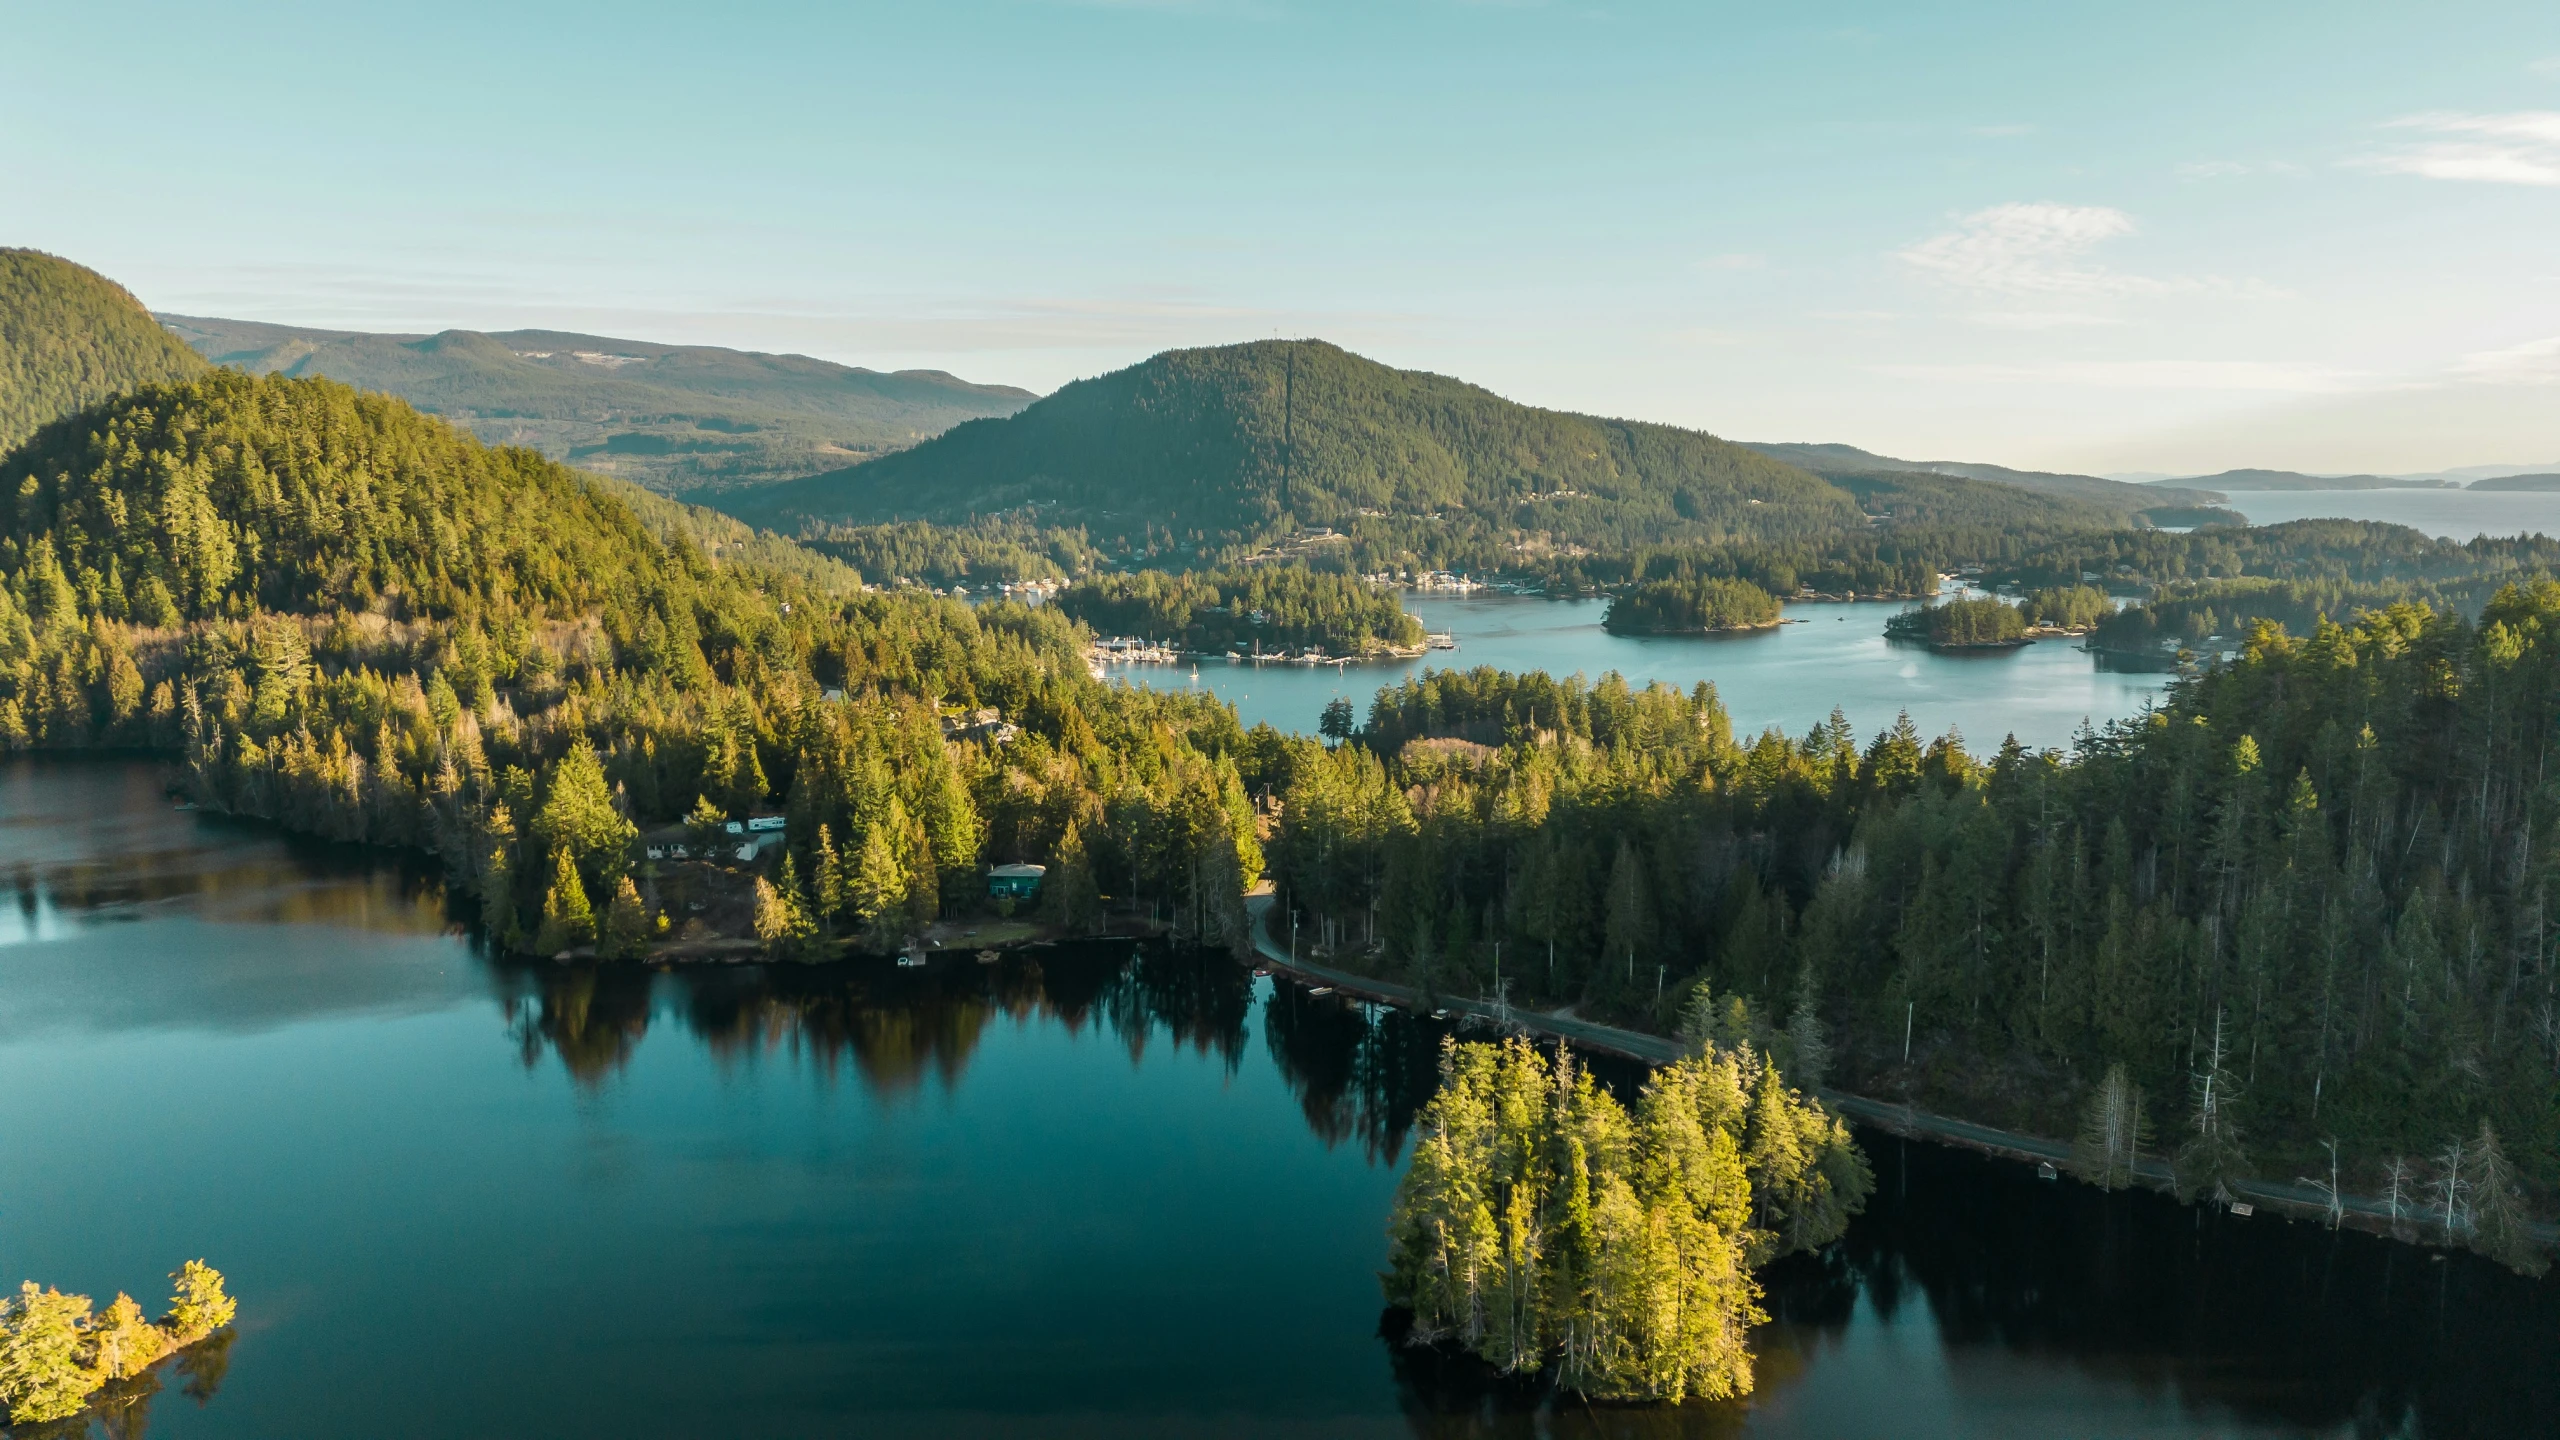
2168 238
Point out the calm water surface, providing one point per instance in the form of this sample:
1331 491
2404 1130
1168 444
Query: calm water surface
2455 514
1791 676
1079 1193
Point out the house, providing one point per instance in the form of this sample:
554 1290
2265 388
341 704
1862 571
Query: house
1015 882
765 824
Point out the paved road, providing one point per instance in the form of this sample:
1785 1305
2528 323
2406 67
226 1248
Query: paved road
1884 1115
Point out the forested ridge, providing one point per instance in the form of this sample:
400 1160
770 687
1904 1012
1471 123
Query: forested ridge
675 418
2319 876
70 336
358 621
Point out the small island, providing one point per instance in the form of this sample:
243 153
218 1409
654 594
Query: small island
1249 610
1978 624
55 1354
1705 605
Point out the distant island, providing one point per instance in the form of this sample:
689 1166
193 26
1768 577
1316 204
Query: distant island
1980 624
2526 484
2264 480
1703 606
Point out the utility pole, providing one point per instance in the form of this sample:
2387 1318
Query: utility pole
1909 1009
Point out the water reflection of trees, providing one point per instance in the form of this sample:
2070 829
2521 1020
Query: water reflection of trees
296 885
2158 1309
2283 1324
121 1409
1359 1071
892 1027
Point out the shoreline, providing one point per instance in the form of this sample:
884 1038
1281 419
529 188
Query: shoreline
2286 1201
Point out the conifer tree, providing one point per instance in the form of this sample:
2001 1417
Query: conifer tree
122 1343
878 886
578 817
2501 1227
829 889
2212 1156
2113 1131
568 919
626 925
198 1304
41 1373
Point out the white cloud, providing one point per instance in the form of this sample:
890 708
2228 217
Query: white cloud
2521 147
2547 65
2212 169
2033 248
1736 261
2535 362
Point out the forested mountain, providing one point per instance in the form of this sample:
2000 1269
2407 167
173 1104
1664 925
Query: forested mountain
671 417
355 620
1834 461
1209 449
70 336
2543 483
2318 878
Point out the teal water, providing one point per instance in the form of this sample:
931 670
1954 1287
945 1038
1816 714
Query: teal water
1080 1193
1791 677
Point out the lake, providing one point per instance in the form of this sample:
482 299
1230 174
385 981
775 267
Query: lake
1791 676
1083 1192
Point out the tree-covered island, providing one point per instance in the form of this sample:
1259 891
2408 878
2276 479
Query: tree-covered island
1547 1230
57 1351
1980 623
1695 606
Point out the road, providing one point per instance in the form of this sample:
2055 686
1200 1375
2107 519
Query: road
1882 1114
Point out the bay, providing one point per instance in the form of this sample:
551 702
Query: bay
1082 1192
2451 514
1829 655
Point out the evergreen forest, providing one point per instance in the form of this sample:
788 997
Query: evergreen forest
2315 883
362 623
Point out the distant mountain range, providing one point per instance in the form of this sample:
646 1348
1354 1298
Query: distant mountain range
69 337
674 418
1234 442
1838 460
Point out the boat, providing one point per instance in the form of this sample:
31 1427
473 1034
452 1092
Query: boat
1439 1014
1259 971
1321 990
988 957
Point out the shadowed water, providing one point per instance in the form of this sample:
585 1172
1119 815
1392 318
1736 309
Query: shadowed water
1082 1192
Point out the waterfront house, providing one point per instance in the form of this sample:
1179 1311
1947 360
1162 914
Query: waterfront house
1015 882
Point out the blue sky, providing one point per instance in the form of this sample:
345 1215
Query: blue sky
2163 237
